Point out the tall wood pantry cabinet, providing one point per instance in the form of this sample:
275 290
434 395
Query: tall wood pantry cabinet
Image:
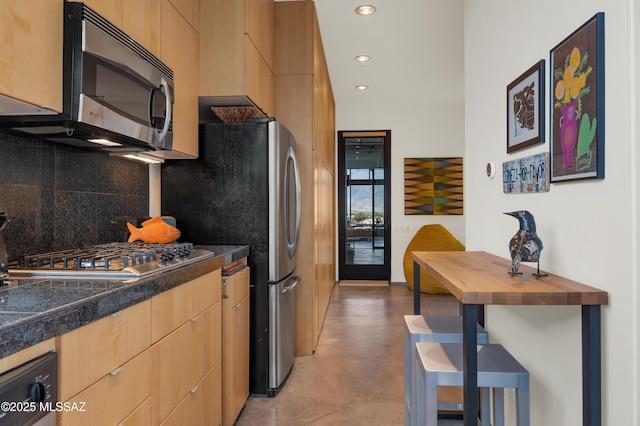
305 105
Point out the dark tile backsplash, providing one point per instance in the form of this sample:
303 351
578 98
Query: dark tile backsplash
60 197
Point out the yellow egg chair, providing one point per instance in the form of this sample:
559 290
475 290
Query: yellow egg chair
429 238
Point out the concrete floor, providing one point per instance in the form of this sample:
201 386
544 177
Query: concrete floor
355 376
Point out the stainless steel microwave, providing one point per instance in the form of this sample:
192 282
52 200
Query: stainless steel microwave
117 95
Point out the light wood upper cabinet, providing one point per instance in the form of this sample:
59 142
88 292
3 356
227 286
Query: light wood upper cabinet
111 10
189 10
259 25
180 53
31 56
237 53
141 20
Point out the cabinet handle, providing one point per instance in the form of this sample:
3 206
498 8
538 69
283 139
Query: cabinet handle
116 314
194 319
224 288
116 371
194 390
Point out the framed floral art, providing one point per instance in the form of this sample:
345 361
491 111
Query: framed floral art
577 104
525 109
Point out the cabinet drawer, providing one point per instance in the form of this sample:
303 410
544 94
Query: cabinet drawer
182 358
173 308
141 416
202 405
92 351
235 287
113 397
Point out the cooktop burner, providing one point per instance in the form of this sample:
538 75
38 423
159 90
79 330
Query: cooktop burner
115 260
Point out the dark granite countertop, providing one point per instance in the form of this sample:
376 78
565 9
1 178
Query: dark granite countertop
34 310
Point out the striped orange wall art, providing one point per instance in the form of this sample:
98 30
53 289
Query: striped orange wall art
433 186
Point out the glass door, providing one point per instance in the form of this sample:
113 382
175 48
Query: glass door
364 205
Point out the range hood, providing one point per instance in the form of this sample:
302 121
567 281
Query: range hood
117 96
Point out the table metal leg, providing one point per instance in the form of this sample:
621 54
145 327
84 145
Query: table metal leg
591 366
416 288
470 364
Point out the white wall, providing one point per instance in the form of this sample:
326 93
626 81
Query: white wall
416 131
588 227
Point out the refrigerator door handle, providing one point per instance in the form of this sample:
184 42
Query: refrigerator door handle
292 245
296 281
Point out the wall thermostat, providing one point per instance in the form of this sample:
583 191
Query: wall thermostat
491 169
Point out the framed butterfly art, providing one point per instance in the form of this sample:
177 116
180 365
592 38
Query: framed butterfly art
525 109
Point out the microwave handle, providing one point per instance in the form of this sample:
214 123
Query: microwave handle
169 108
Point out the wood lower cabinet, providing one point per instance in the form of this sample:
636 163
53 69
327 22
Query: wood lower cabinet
156 362
140 416
235 342
112 398
186 322
92 352
202 405
106 364
180 360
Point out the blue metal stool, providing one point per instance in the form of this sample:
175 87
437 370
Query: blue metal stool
440 364
429 328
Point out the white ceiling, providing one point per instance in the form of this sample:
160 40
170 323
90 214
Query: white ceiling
416 49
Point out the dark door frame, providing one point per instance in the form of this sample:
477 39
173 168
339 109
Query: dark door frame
354 271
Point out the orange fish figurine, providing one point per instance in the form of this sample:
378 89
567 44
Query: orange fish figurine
154 230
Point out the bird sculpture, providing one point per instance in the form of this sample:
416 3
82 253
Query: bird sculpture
525 246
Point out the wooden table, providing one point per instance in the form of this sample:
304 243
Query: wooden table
478 278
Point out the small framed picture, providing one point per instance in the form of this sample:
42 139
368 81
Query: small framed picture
525 109
576 136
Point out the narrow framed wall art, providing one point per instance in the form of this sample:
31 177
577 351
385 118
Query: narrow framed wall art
525 109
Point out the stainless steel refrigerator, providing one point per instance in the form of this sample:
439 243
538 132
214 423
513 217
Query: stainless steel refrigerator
245 189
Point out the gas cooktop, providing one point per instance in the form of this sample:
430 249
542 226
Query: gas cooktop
113 260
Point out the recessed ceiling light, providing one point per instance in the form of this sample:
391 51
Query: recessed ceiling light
362 58
362 87
365 9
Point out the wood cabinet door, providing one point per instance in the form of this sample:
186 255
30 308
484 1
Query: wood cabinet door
141 20
180 53
260 27
181 359
88 353
174 307
112 398
111 10
202 405
235 346
31 56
